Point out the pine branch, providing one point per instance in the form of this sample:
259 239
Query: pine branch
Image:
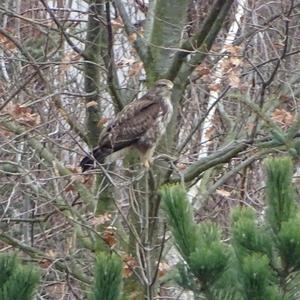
280 195
108 278
194 43
199 244
187 67
180 218
138 41
17 282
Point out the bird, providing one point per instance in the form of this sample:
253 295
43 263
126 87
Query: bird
139 125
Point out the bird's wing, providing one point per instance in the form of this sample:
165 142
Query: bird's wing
131 123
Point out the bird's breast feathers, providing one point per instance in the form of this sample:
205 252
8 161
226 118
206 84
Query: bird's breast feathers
165 115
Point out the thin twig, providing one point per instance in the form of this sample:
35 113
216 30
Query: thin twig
60 27
182 146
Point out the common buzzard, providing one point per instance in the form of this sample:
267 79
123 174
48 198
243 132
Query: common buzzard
139 125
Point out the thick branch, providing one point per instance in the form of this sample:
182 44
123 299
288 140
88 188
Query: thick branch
188 66
165 37
233 172
220 156
92 72
112 76
99 44
225 155
196 41
139 43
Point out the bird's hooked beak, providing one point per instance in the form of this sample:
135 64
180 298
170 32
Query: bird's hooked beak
165 83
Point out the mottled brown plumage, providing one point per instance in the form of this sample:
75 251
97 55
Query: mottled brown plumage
139 125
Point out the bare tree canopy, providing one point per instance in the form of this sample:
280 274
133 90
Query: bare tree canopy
67 67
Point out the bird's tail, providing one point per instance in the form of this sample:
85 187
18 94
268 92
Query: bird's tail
98 154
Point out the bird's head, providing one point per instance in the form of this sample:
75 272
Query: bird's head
164 83
164 87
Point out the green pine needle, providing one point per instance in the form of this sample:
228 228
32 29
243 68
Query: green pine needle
258 278
248 236
289 243
208 262
180 218
18 282
199 244
108 278
280 194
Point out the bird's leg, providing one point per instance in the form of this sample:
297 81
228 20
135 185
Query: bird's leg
147 158
146 164
146 161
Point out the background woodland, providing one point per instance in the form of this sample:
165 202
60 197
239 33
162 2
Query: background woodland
68 66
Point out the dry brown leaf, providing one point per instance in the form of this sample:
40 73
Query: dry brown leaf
129 264
45 263
109 236
132 37
223 193
233 50
102 121
203 70
91 103
234 80
249 126
117 23
7 44
88 180
215 87
5 133
134 295
226 65
74 169
282 117
70 187
163 268
23 114
101 219
66 61
209 132
235 61
135 69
